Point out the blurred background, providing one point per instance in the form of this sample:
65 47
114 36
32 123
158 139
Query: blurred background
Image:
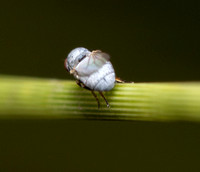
148 41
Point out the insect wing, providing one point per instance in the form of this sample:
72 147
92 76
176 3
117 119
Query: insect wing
92 63
100 55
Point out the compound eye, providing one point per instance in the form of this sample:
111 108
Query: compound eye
79 60
66 65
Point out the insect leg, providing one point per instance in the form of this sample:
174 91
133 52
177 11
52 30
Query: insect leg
78 83
95 96
104 99
82 85
118 80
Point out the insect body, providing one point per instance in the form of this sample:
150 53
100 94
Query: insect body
92 70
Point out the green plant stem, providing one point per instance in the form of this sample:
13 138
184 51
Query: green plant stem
24 97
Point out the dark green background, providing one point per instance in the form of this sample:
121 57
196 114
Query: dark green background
147 40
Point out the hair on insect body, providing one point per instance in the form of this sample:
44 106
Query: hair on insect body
92 71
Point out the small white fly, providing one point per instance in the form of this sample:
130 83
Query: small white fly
92 70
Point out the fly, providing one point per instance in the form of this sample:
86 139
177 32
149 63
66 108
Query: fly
92 71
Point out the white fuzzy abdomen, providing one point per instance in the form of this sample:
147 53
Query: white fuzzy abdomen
101 80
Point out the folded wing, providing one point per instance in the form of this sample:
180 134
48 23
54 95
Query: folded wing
92 63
